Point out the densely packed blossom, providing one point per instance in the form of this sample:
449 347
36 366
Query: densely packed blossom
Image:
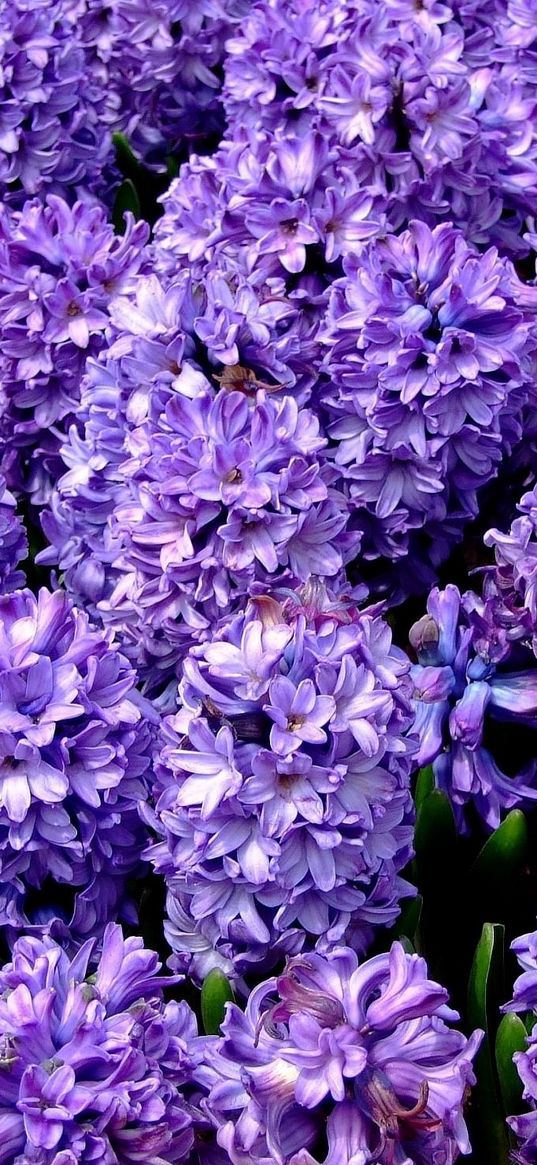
92 1060
282 793
337 1061
73 72
511 584
13 542
435 101
429 346
52 105
161 62
60 268
184 491
468 677
313 385
74 754
525 1000
431 361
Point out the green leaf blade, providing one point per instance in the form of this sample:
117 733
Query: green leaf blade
216 991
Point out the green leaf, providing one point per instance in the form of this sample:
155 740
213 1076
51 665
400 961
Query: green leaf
172 166
486 975
510 1038
435 827
425 784
504 854
126 159
408 923
126 199
216 991
491 1141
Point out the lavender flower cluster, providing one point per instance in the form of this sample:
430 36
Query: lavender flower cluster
288 814
268 571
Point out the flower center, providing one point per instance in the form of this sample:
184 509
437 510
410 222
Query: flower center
233 477
73 309
289 226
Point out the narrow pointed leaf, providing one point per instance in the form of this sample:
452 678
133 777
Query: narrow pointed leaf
215 993
490 1137
505 851
126 159
485 983
408 923
126 199
425 784
435 826
510 1038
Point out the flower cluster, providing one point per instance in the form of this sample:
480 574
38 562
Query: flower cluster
161 63
525 1000
13 542
434 102
467 678
75 743
358 1055
431 362
511 584
305 380
183 494
92 1061
60 268
52 106
73 73
282 792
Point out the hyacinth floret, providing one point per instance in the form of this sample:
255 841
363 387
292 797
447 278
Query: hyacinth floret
511 585
361 1055
468 678
60 268
525 1000
75 741
282 794
13 542
436 100
431 362
92 1061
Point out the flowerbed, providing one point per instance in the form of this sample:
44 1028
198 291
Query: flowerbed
268 563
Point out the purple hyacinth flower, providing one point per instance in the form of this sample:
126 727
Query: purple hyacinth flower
365 1048
466 677
75 741
281 796
93 1063
525 1000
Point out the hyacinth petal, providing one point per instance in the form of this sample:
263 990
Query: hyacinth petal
408 994
515 693
16 796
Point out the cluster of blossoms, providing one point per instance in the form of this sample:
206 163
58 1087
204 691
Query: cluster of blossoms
75 742
282 791
432 359
417 351
525 1000
92 1061
431 103
511 585
13 542
469 676
358 1059
52 107
75 71
182 495
60 268
309 378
